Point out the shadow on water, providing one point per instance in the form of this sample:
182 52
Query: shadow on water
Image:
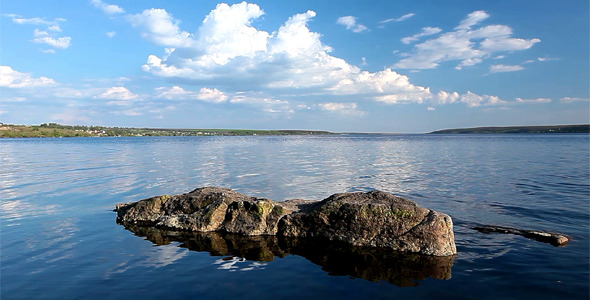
337 259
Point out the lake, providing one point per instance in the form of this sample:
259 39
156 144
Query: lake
60 239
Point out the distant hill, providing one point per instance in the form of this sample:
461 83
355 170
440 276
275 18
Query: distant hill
58 130
584 128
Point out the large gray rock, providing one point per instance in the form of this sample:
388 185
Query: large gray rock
205 209
374 219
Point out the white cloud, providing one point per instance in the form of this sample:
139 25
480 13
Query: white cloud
119 94
386 86
212 95
160 28
228 49
543 59
174 93
444 97
350 23
31 21
55 28
226 34
426 31
505 68
400 19
472 19
111 34
537 100
40 33
267 104
13 79
59 43
341 108
249 64
430 108
44 36
109 9
467 44
474 100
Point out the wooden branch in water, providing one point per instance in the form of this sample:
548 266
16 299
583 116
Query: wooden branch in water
555 239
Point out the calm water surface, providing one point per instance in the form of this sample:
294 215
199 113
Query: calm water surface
59 238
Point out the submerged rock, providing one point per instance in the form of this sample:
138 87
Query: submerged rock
374 219
555 239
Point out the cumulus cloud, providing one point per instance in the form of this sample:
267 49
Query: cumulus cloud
473 100
109 9
468 44
59 43
211 95
444 97
119 95
229 51
14 79
386 86
161 28
350 23
426 31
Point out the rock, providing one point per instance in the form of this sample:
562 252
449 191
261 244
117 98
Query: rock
374 219
205 209
555 239
337 259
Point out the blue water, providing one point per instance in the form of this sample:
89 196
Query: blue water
60 239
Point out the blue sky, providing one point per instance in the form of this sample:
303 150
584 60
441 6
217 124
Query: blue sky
373 66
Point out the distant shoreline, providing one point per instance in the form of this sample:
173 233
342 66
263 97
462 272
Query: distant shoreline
549 129
58 130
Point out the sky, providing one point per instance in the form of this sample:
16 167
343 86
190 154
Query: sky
343 66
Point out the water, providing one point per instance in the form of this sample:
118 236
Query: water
59 238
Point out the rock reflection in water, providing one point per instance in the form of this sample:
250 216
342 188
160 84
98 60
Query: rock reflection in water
374 264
